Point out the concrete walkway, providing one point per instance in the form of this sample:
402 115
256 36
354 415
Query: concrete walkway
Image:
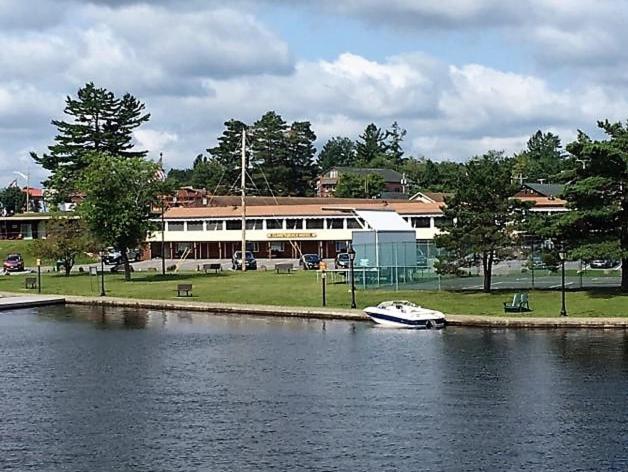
28 301
346 314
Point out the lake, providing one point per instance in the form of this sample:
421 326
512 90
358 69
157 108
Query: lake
91 389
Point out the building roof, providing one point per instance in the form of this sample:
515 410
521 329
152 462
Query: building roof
324 208
546 190
33 192
543 202
430 196
388 175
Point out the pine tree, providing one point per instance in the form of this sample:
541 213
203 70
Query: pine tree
228 155
394 137
300 152
542 159
337 152
98 123
371 147
271 169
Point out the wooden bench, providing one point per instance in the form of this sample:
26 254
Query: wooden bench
31 282
214 266
284 268
184 289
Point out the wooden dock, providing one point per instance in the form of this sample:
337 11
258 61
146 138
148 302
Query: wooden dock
28 301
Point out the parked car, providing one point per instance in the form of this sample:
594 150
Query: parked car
115 257
236 261
342 260
310 262
119 268
13 263
603 264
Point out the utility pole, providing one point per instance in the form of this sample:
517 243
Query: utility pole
243 197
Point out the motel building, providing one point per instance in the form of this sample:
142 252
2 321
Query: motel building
290 227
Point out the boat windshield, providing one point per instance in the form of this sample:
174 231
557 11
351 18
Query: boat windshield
396 303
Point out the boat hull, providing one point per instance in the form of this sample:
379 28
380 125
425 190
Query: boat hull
391 321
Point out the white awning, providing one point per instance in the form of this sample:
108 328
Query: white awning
384 220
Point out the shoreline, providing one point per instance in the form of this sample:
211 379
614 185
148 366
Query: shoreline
480 321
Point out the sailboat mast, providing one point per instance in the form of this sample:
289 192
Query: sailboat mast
243 197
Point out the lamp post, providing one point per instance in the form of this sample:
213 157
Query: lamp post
351 253
563 255
102 274
38 275
163 239
324 283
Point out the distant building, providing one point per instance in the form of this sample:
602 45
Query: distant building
395 182
531 189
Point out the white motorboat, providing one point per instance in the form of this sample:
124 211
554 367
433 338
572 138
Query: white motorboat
404 314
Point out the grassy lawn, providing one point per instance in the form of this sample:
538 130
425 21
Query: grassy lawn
25 247
302 289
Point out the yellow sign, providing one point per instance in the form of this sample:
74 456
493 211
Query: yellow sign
290 235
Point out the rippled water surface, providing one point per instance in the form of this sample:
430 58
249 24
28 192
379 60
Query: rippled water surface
93 390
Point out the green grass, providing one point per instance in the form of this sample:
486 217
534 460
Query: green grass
25 248
302 289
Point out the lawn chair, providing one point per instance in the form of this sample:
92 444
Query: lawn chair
519 303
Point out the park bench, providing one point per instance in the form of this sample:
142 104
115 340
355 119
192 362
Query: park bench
31 282
284 268
519 303
184 289
213 266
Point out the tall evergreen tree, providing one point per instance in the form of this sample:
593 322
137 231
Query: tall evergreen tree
98 123
271 169
228 154
371 147
337 152
542 159
12 200
394 138
300 153
597 225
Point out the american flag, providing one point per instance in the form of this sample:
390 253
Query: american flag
160 174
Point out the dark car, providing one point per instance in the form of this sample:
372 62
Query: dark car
13 263
236 261
114 257
310 262
342 260
603 264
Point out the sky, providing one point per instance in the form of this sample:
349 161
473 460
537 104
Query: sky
462 77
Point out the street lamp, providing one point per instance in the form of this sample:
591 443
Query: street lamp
102 274
563 255
351 253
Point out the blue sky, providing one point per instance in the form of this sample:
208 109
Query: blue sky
462 77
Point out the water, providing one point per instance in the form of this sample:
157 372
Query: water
93 390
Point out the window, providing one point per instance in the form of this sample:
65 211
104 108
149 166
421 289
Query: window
234 224
252 246
335 223
353 223
254 224
213 225
195 226
175 225
277 246
341 246
312 223
443 222
274 224
420 222
292 223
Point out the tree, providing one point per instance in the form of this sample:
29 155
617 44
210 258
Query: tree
427 175
394 137
98 123
371 147
118 209
597 225
12 200
359 186
228 154
300 153
269 154
542 159
66 238
483 213
337 152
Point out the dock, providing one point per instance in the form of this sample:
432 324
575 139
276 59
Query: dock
29 301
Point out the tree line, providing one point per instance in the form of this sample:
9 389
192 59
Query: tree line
93 155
